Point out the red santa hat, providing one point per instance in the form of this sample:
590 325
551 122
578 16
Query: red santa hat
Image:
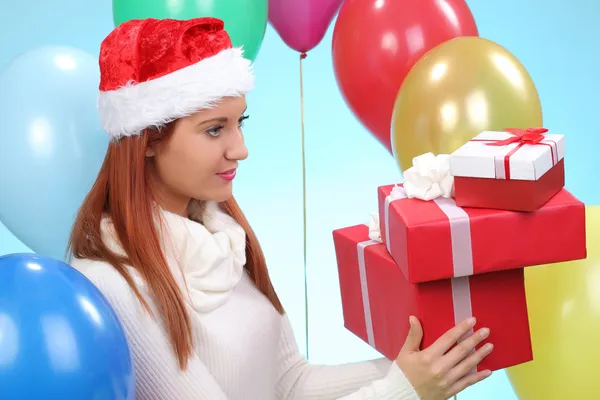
156 71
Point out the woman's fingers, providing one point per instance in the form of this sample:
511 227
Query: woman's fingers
467 381
443 369
470 363
448 339
414 337
464 348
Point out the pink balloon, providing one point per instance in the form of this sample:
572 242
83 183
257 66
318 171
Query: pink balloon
302 24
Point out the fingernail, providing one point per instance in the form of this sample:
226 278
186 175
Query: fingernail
485 332
411 320
488 347
487 372
471 321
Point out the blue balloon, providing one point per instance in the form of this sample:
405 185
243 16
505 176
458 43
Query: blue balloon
51 144
59 336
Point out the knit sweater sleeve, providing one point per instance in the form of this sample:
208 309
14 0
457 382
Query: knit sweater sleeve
158 376
379 379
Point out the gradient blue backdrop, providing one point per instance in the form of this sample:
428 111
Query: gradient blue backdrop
555 40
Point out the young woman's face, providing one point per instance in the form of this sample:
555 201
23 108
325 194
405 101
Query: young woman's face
200 159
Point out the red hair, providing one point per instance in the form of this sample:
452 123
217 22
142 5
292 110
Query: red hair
122 192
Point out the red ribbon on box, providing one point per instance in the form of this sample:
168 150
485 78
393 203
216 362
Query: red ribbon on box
534 136
527 136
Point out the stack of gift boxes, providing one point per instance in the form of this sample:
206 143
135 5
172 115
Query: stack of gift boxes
453 241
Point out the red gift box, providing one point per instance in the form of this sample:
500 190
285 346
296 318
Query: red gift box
377 300
432 240
518 170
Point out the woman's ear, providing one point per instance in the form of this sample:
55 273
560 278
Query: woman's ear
150 152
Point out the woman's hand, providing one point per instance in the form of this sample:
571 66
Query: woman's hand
441 371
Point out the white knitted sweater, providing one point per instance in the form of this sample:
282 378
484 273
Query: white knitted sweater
244 349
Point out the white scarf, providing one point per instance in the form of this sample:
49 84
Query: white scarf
207 250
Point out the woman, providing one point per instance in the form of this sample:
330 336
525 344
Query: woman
162 237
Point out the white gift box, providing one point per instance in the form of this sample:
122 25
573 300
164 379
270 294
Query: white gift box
482 157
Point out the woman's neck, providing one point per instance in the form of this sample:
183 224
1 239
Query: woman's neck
170 201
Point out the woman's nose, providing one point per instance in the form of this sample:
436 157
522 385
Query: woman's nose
237 149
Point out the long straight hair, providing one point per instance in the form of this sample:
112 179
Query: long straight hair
122 192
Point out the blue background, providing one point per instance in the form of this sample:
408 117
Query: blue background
554 39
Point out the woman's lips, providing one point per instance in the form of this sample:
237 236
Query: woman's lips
227 175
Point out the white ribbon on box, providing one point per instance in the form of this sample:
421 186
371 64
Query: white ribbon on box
364 288
437 182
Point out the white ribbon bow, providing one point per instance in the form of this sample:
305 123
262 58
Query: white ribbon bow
397 192
374 230
429 177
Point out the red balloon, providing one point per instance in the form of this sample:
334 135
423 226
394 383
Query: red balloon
376 43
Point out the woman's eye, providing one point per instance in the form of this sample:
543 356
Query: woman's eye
214 131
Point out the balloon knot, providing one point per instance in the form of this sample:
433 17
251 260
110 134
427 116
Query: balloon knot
303 55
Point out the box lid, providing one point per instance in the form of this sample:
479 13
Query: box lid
486 156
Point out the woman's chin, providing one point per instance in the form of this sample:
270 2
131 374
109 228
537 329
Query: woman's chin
219 195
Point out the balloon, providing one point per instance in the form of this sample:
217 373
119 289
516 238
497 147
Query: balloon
564 313
302 23
459 89
245 20
51 144
376 43
59 337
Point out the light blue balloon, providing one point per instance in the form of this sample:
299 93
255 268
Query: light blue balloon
51 144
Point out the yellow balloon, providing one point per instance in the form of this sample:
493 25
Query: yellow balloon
457 90
564 313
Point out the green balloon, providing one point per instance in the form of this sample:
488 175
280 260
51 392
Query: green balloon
245 20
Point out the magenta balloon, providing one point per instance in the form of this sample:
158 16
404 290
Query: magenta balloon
302 24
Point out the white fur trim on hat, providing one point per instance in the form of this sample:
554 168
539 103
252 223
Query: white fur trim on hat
128 110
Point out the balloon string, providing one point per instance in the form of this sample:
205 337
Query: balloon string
302 57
